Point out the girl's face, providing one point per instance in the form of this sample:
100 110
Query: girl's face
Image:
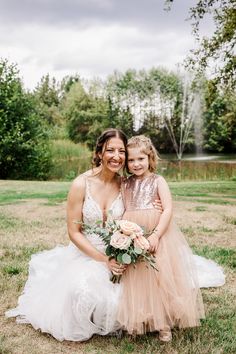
113 155
138 162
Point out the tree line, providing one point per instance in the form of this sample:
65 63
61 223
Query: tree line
167 106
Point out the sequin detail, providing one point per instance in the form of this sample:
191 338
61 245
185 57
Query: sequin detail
140 193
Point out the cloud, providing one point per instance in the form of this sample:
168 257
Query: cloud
92 37
80 13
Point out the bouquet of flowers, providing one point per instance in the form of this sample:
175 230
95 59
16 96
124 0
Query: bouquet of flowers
124 241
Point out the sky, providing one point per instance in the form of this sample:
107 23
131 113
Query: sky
93 38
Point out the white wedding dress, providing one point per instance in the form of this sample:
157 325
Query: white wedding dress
68 294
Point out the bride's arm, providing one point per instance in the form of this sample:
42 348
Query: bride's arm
164 221
75 202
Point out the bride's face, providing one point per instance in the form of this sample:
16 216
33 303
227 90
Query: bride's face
113 155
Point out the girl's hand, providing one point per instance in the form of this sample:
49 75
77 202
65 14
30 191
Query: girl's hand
153 240
115 267
157 205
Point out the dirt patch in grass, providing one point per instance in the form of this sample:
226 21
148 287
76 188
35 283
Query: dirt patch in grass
206 224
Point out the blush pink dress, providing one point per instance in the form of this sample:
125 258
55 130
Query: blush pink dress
151 299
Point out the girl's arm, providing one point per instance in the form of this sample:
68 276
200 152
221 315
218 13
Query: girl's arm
166 201
75 202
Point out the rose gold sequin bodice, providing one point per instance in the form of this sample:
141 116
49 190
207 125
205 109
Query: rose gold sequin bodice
140 193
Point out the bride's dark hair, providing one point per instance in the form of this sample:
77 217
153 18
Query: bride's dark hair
103 139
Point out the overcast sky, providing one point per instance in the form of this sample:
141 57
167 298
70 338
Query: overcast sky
93 37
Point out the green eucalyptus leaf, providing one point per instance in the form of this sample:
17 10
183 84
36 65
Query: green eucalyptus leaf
119 258
108 251
138 250
126 258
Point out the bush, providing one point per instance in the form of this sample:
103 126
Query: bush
24 145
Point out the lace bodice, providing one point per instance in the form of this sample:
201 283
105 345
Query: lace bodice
92 212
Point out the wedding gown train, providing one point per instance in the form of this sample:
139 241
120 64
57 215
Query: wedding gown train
68 294
209 273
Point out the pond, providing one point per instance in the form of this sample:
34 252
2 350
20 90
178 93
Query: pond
202 157
198 167
192 167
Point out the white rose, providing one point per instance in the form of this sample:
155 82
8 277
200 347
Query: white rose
120 241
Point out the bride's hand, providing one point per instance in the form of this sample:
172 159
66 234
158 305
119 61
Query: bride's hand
154 243
115 267
157 205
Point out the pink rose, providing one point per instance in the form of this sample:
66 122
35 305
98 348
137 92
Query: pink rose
141 242
129 228
120 241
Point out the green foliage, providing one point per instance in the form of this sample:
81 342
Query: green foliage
219 119
86 115
24 149
67 82
217 50
69 159
47 91
221 45
47 100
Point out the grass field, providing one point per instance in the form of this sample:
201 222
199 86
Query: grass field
32 218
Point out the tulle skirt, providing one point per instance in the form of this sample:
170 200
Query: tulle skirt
68 295
169 296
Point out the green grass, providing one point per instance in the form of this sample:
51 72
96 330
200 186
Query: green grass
3 348
22 253
222 256
8 222
216 335
230 220
12 269
200 208
18 191
226 189
211 192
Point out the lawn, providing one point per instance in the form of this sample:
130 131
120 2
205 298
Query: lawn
32 218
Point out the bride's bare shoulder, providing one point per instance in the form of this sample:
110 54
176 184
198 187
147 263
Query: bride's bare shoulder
80 181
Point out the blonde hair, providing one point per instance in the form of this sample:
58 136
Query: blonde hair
146 146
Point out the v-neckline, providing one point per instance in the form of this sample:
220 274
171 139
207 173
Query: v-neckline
96 202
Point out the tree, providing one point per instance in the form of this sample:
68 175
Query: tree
219 119
155 100
24 151
87 116
67 82
217 50
47 100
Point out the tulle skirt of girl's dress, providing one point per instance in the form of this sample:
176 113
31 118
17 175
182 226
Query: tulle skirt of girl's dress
170 296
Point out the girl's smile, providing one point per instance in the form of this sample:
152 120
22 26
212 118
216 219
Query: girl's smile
138 162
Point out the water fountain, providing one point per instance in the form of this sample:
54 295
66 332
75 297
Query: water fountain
191 116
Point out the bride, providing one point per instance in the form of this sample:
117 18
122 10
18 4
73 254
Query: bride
68 292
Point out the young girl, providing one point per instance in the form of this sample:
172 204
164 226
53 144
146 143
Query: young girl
156 300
